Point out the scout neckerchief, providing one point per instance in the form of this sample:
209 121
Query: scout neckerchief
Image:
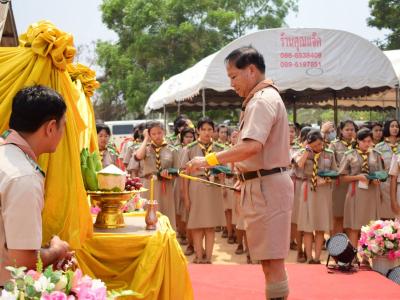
206 149
347 144
12 137
315 172
157 150
261 85
364 156
392 146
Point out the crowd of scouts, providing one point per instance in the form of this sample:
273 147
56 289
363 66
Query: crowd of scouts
349 199
342 200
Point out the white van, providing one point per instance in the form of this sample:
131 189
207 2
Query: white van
120 130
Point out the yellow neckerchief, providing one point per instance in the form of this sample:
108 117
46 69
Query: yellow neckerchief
206 149
392 146
315 172
364 156
157 150
348 145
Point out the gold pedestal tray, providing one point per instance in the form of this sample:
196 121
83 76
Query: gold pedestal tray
111 204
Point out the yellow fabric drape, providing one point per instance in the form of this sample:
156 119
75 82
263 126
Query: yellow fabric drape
151 265
85 81
42 58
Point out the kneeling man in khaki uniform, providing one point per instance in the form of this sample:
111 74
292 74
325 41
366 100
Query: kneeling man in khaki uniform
261 156
36 126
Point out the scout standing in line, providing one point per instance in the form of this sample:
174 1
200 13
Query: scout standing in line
363 195
345 142
261 156
315 211
187 136
108 153
377 133
204 202
388 148
158 157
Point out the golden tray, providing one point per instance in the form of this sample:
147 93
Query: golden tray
111 204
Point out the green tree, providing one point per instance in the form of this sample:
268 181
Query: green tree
386 14
160 38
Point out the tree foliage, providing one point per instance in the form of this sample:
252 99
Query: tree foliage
385 14
160 38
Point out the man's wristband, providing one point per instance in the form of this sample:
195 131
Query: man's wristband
212 159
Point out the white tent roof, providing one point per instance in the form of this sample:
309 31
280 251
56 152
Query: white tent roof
298 60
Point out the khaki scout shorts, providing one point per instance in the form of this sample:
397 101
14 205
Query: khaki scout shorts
267 207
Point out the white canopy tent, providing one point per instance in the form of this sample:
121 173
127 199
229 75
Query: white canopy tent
308 65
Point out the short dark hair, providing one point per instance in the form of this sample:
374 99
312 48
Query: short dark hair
186 131
245 56
35 105
102 126
152 124
386 127
342 124
222 126
179 123
303 133
363 133
314 135
205 120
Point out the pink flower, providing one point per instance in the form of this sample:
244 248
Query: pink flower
397 253
391 255
35 275
94 210
54 296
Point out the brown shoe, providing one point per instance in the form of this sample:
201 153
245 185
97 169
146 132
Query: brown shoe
218 229
189 250
224 234
231 240
301 258
239 250
293 245
183 241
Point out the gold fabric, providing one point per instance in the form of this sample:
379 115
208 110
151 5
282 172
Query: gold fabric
157 150
348 145
394 147
152 265
42 58
365 165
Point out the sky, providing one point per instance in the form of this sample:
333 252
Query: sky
83 17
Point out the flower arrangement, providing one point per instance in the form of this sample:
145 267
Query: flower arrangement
55 285
380 238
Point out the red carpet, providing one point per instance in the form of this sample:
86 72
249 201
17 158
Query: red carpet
242 282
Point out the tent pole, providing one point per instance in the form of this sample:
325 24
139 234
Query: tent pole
165 118
179 108
397 102
203 95
335 109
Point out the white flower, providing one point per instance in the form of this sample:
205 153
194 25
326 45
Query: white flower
43 284
61 284
374 248
97 283
389 244
7 295
387 230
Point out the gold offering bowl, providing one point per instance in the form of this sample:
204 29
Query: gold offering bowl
111 204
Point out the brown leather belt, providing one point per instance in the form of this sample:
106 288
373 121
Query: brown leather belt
260 173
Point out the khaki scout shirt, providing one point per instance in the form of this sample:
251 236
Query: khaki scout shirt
265 121
21 200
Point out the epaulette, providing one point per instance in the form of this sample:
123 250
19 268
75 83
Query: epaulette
295 146
335 140
192 144
173 147
377 151
349 151
219 145
329 150
380 144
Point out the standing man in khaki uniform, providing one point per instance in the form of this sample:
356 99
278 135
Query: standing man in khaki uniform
261 156
36 126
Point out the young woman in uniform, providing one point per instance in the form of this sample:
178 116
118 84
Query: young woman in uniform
204 202
187 136
363 195
315 209
157 157
388 148
347 129
298 177
377 133
108 153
